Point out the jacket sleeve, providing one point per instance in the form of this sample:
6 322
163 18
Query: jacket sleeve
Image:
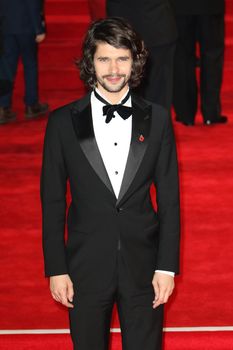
167 194
53 199
35 10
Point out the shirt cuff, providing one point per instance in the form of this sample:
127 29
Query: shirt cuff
170 273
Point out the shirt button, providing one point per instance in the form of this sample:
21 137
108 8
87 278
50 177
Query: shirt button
116 172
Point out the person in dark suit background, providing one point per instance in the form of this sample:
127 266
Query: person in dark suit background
199 21
111 145
154 21
5 84
22 29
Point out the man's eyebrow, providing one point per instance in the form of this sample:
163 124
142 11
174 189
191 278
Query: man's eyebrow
100 56
124 57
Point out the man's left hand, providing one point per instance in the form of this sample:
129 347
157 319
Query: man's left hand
163 286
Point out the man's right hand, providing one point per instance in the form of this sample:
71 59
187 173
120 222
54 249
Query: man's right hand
61 288
40 38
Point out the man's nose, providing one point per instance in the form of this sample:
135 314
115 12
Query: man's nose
114 67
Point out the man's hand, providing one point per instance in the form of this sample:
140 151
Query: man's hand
62 290
40 38
163 286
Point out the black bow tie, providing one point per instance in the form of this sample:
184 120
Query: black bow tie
108 109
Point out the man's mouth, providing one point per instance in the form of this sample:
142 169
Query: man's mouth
113 79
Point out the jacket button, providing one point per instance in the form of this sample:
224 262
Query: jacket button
119 209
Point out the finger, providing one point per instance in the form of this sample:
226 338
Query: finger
66 303
171 291
70 292
157 303
59 299
61 293
160 299
64 298
55 297
166 296
156 291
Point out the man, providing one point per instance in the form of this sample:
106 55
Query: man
22 29
202 21
5 85
155 22
111 146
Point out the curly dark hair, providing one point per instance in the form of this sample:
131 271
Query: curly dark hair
116 32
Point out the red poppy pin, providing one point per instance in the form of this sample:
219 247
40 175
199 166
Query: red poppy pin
141 138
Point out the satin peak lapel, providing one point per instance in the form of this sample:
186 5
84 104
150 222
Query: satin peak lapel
82 121
141 122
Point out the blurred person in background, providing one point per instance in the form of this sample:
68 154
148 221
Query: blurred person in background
22 29
155 22
5 84
199 21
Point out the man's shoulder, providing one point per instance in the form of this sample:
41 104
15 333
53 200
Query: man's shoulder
62 113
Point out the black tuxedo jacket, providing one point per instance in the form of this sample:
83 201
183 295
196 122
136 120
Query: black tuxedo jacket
152 19
198 7
98 223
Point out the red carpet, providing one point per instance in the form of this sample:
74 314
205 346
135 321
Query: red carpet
173 341
204 294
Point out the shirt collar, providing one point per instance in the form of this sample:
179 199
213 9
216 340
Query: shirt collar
128 103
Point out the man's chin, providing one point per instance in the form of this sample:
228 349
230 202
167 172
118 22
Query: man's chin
114 88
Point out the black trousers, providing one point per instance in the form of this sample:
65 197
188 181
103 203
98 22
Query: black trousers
16 46
141 325
157 85
208 30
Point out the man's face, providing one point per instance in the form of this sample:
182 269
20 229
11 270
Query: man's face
112 68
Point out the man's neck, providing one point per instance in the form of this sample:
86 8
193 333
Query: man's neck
113 97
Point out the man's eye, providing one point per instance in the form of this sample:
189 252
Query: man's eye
123 59
103 59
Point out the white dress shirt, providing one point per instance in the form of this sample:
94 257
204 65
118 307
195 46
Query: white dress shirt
113 140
